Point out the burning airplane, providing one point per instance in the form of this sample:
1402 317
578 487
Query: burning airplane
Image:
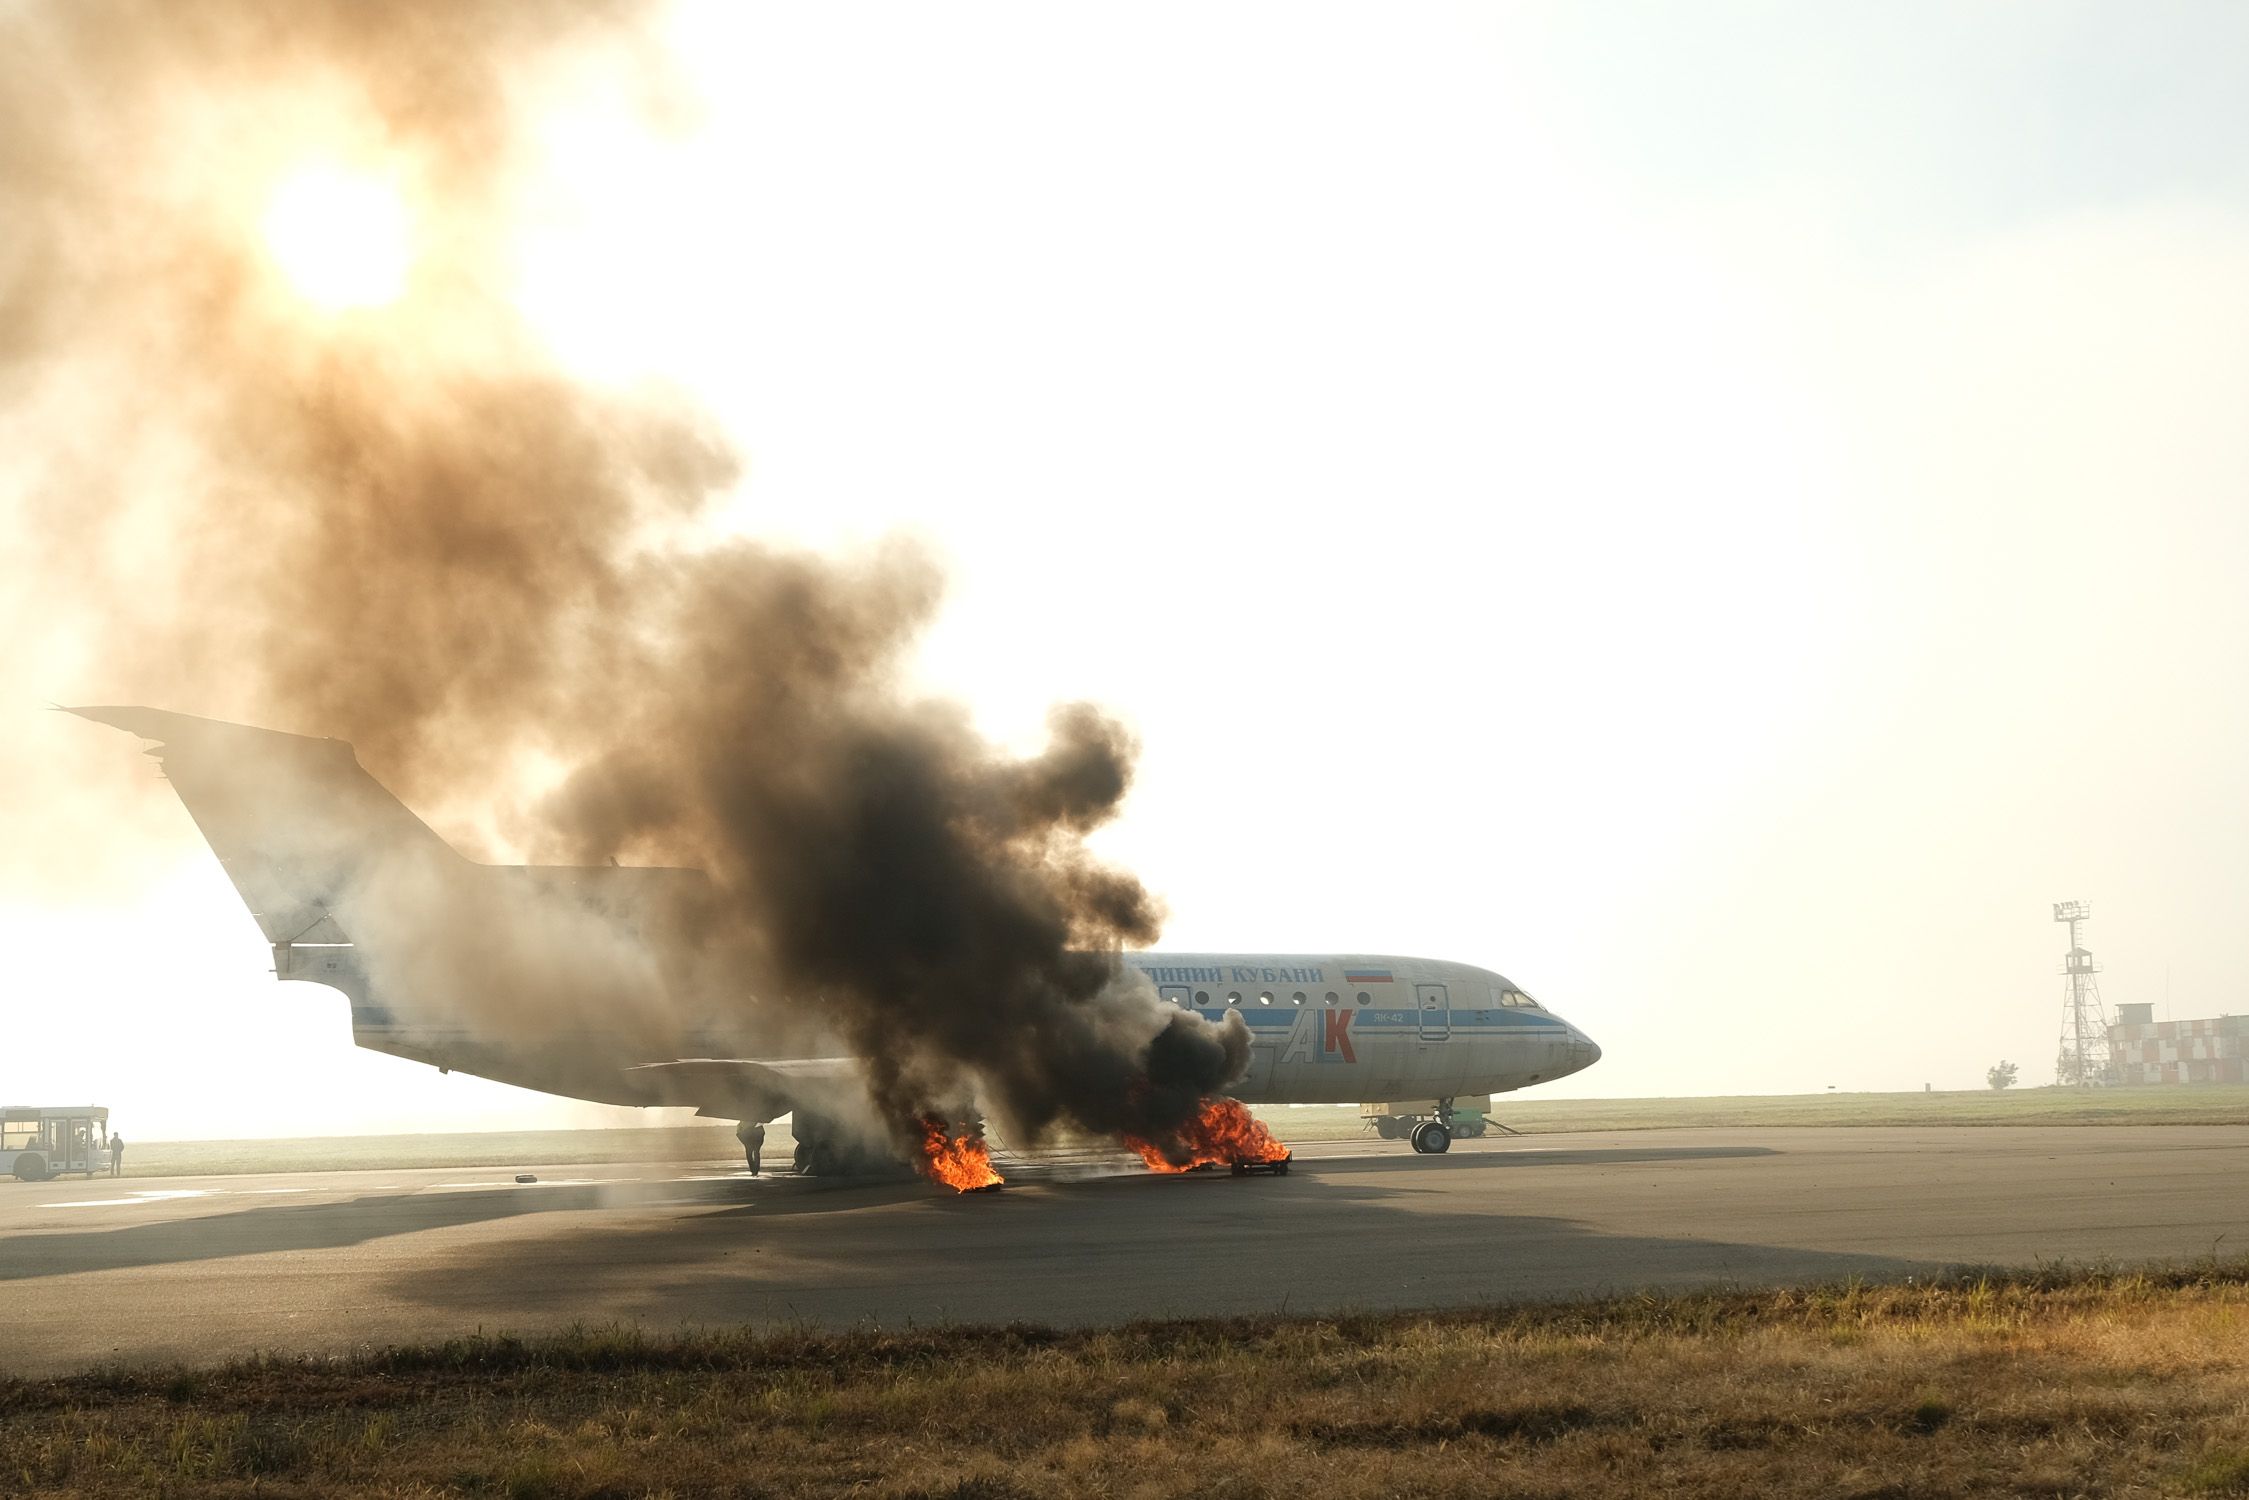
632 986
324 466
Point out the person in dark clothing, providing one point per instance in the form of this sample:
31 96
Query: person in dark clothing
116 1155
751 1134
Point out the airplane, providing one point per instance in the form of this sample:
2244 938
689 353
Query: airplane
307 835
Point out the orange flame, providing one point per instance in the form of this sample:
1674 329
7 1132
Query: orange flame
1222 1133
962 1162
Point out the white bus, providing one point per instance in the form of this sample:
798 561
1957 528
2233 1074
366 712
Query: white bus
38 1142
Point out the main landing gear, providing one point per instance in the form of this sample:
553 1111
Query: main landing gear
825 1148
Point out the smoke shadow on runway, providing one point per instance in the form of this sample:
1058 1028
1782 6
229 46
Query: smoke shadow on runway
1079 1251
333 1224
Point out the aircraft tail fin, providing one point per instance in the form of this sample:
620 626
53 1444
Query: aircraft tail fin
293 818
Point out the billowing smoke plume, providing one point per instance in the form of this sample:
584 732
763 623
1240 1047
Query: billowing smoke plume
407 527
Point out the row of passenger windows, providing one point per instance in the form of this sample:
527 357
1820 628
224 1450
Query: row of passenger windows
1234 997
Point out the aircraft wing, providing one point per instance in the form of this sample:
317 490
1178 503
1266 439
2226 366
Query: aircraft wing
726 1087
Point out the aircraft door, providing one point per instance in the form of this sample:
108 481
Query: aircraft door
1436 1012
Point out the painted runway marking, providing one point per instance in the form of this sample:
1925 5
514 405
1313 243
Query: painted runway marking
153 1195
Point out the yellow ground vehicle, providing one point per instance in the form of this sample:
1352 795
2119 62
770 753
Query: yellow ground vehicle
1463 1118
42 1141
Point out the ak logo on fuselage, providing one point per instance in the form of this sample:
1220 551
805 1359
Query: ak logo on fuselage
1322 1036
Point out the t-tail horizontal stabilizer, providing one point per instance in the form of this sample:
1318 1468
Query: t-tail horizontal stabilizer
294 819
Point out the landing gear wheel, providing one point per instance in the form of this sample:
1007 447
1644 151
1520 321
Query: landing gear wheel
815 1153
827 1149
31 1167
1431 1138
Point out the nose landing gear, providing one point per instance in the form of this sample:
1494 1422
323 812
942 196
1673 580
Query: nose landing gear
1431 1137
1432 1125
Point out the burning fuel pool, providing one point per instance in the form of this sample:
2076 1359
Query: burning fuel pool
1223 1133
960 1160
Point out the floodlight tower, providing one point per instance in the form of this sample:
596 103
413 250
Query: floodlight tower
2084 1059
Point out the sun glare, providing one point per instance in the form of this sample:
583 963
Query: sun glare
340 238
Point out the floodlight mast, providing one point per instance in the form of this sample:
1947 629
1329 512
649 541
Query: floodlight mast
2084 1057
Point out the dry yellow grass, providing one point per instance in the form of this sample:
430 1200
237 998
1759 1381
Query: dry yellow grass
2081 1384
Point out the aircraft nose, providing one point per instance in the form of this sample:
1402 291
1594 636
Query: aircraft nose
1588 1050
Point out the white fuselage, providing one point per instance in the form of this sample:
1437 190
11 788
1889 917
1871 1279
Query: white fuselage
1344 1028
304 833
1324 1029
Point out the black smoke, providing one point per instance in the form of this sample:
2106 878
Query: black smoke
410 528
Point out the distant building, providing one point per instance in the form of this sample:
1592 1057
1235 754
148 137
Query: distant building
2145 1050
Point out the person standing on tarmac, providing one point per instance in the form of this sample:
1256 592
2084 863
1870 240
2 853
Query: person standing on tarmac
751 1134
116 1154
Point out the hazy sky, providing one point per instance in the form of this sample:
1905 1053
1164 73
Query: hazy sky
1720 513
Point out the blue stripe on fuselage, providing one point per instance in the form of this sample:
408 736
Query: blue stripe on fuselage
1508 1020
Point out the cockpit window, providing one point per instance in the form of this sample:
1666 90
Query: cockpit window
1511 996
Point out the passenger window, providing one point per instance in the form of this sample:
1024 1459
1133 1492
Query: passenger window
1362 997
1297 998
1202 997
1233 997
1331 997
1265 997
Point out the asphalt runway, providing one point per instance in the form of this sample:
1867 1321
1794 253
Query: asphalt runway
198 1269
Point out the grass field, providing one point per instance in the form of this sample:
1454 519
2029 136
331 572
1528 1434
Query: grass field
2205 1105
2049 1384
